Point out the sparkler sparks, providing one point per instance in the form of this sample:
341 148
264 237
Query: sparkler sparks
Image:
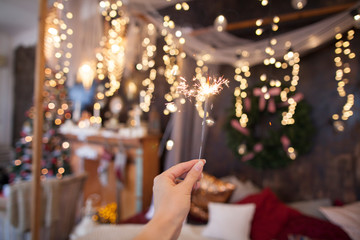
202 90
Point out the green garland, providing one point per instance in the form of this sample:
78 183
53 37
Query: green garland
265 130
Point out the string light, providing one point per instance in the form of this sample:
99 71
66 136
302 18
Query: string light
112 54
57 55
292 59
148 62
171 58
220 23
342 53
242 72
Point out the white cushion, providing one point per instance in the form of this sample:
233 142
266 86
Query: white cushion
229 221
242 190
347 217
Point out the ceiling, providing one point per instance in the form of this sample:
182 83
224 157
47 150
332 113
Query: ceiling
20 15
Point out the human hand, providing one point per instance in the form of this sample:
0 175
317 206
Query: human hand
172 199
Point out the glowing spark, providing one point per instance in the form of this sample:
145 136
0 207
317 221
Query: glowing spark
202 89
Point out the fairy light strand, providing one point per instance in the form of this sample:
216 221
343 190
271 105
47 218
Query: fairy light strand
342 54
111 57
171 59
242 72
148 62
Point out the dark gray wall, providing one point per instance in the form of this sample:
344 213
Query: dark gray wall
328 170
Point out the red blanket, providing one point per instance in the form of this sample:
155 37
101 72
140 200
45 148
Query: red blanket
274 220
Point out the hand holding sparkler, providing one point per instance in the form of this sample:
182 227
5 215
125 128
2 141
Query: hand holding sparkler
202 91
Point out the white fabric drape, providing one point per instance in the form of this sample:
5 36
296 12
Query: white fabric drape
224 48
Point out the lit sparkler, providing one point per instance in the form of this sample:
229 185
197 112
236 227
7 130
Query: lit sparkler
202 90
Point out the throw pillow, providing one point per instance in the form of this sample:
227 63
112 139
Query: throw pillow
347 217
211 189
229 221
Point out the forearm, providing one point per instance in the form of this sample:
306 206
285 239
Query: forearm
160 228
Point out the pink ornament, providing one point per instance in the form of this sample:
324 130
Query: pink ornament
247 104
262 101
235 124
285 141
247 157
271 105
258 147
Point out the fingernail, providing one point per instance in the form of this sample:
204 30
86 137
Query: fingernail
199 165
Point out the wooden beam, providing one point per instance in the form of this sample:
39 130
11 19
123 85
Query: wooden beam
283 18
38 124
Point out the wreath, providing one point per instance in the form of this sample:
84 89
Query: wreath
265 142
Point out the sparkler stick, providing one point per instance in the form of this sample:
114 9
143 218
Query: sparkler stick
203 127
202 91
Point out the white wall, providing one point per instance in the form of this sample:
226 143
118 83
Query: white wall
8 44
6 90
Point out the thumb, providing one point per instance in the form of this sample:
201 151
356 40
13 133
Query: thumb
193 175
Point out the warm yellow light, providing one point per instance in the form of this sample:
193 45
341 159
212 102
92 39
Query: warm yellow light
60 111
65 145
97 106
53 31
185 6
259 22
259 31
86 75
51 105
61 170
276 19
57 121
274 27
17 162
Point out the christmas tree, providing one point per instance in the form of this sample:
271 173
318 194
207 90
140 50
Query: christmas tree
56 149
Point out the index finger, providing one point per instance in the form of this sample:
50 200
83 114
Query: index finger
180 169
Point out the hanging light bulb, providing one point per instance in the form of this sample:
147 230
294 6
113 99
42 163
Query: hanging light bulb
86 75
298 4
220 23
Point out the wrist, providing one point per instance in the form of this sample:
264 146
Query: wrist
165 225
